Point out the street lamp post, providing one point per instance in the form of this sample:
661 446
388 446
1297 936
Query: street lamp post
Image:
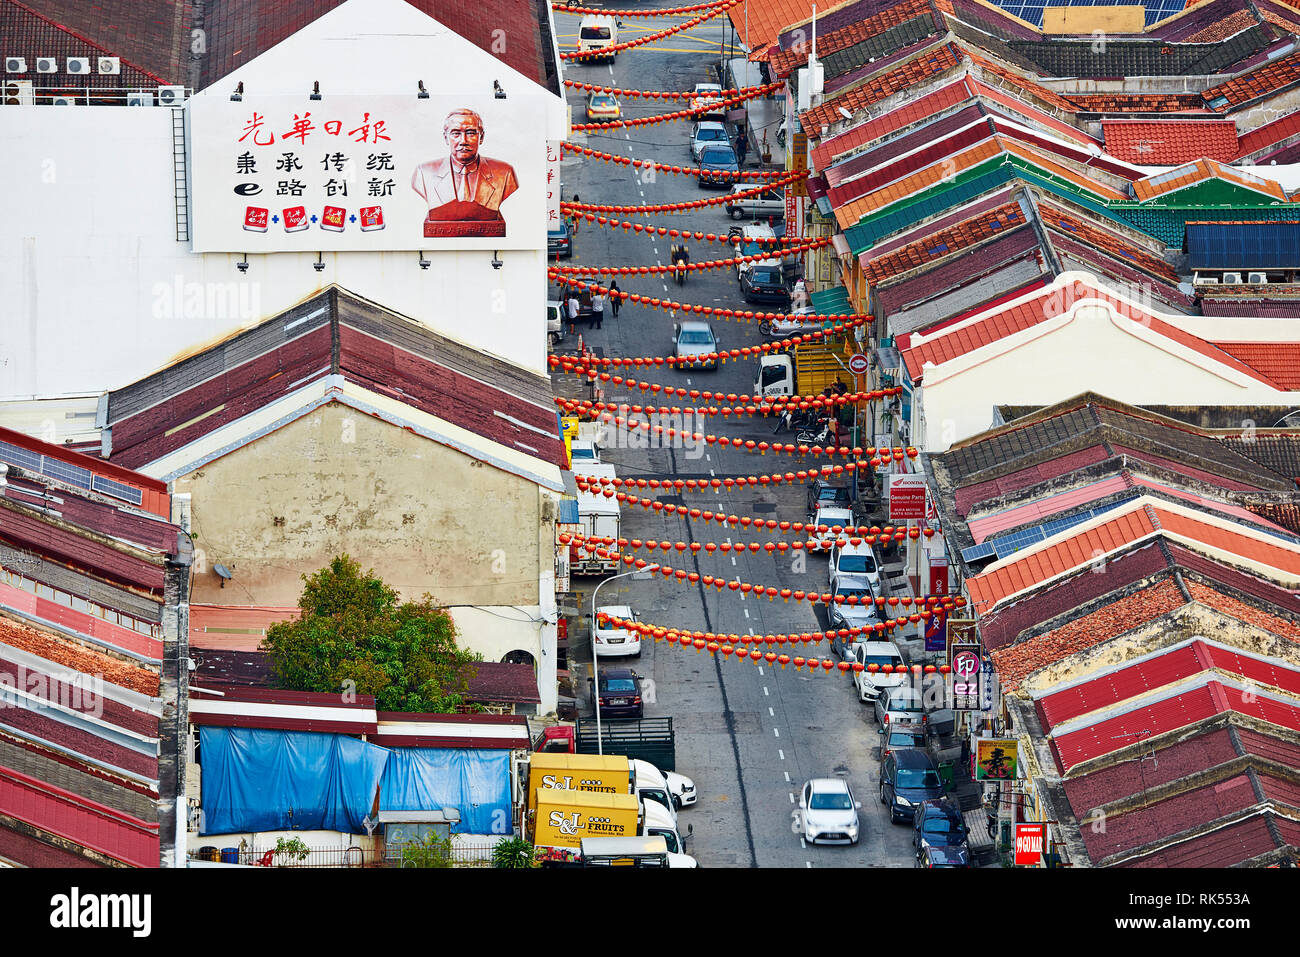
595 655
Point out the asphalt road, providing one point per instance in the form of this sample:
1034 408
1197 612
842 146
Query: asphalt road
749 735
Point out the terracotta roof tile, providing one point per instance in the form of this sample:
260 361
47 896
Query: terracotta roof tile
1100 238
1178 760
57 648
914 111
1159 184
1270 134
1170 142
1243 612
1280 361
765 20
1016 662
1223 847
1134 102
1229 26
1268 79
928 64
1288 24
1237 541
783 62
947 241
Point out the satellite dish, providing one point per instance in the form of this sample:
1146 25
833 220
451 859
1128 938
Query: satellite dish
223 573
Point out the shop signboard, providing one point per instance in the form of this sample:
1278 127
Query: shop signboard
907 497
995 759
1029 844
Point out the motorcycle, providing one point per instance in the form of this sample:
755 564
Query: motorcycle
810 437
789 420
679 271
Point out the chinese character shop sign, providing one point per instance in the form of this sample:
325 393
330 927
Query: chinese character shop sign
286 174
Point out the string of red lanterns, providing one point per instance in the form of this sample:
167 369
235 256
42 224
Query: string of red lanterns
725 313
692 267
726 198
649 38
580 365
590 543
591 406
602 11
714 105
696 235
726 645
748 445
659 94
764 174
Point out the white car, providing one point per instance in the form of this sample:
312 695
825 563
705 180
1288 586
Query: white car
857 613
706 95
855 562
883 654
610 641
830 517
828 812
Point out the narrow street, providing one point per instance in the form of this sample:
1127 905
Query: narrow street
749 735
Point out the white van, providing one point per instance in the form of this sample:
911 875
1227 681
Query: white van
600 517
597 33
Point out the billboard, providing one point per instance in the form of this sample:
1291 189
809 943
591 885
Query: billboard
1029 844
367 173
995 759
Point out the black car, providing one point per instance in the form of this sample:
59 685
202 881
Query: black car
940 824
620 694
942 857
764 283
559 241
907 778
821 493
900 739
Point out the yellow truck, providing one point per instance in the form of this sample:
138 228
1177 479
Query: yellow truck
564 818
812 367
607 774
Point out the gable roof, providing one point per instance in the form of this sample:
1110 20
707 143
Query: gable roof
1202 170
150 36
334 340
1266 80
1170 142
238 31
930 62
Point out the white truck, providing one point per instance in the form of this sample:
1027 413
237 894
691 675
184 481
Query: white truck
600 517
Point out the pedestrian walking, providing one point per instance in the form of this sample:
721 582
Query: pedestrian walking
615 300
575 214
573 313
598 308
742 146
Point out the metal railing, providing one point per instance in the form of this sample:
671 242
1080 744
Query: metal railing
334 857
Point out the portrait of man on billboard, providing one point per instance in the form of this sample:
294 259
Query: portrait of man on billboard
464 190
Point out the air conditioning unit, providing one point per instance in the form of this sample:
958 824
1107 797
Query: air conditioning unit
109 64
47 64
1232 278
139 98
15 64
80 65
64 101
1257 278
18 93
171 95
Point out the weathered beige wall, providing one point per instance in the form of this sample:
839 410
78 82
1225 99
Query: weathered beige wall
425 517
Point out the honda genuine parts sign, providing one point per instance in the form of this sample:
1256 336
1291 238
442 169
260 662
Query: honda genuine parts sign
367 173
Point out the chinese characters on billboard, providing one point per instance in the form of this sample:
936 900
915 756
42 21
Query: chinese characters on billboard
283 173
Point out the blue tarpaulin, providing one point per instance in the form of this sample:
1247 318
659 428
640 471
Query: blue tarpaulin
477 782
261 780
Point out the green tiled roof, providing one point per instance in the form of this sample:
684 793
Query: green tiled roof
832 302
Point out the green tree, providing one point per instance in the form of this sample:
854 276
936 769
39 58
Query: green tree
354 635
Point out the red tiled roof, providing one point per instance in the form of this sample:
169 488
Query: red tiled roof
914 111
1080 548
1268 135
1181 759
240 30
969 496
1170 714
1288 24
1135 102
929 63
1107 242
1270 78
1043 508
1239 541
149 36
1152 671
783 62
1170 142
56 648
1229 26
1219 848
765 20
1016 662
1019 81
946 241
1280 361
1243 612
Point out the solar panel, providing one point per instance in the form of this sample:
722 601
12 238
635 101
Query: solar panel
1032 10
20 457
71 474
126 493
976 552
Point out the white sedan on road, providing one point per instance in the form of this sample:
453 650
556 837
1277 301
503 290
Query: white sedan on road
828 812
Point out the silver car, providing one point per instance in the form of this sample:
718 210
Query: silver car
768 203
695 339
